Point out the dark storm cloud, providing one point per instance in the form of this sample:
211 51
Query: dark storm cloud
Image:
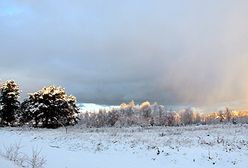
109 51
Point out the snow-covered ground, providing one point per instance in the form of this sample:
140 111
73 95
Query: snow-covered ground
6 163
215 146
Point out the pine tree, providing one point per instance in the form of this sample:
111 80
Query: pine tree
9 102
50 107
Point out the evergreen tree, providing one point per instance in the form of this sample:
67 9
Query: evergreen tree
50 107
9 94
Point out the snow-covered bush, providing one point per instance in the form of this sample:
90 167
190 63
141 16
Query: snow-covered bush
50 107
9 94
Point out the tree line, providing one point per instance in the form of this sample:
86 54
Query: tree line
147 114
51 107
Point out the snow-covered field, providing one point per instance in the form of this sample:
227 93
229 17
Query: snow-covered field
215 146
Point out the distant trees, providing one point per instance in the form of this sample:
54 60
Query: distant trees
225 115
187 116
9 104
145 109
228 114
128 114
50 107
148 114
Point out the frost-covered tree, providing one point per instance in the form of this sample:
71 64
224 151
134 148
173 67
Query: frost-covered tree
145 109
9 94
187 116
228 114
50 107
221 116
112 117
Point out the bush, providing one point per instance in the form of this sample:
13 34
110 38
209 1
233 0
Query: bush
50 107
8 102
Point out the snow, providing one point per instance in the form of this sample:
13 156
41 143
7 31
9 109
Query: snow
215 146
4 163
94 107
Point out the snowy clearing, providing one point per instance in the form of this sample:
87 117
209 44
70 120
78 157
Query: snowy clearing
6 163
191 146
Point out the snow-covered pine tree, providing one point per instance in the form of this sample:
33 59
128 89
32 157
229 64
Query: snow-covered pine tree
9 94
50 107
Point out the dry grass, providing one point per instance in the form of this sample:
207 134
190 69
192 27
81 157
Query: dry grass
14 153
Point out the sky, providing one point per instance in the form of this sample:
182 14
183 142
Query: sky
108 51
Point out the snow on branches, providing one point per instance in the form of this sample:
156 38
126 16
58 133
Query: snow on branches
50 107
9 94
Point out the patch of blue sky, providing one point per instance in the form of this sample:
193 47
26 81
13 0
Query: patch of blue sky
10 8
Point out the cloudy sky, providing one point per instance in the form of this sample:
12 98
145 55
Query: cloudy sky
108 51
